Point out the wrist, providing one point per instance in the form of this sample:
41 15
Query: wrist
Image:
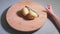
51 14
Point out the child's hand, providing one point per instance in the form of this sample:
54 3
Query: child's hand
53 16
49 9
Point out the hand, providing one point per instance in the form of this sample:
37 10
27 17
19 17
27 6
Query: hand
53 16
49 9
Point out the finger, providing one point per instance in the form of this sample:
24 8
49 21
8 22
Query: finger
49 6
47 9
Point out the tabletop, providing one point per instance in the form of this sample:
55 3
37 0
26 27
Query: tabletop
48 27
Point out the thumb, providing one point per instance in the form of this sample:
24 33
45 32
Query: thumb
47 9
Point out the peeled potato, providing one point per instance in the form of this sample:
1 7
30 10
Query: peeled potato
32 15
29 13
25 11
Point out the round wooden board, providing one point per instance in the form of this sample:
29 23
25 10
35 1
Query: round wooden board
21 24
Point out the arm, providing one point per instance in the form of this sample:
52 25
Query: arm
53 16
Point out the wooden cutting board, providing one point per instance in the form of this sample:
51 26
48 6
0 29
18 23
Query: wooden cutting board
21 24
